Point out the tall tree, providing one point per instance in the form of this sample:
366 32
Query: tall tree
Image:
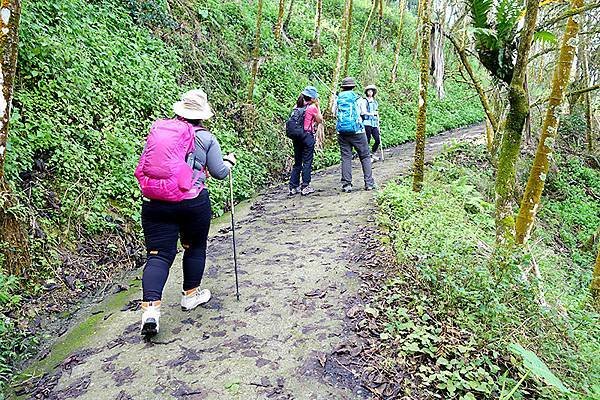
255 51
587 103
402 7
512 129
316 46
379 26
419 163
462 55
419 19
338 62
537 176
279 24
348 36
288 17
13 236
363 36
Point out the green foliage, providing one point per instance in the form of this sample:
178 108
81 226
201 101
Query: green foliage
445 234
14 344
537 367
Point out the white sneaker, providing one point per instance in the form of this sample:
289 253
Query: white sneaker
194 298
150 318
374 158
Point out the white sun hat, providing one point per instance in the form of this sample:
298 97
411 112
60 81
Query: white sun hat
193 105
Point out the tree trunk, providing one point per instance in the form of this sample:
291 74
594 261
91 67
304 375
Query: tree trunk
363 36
288 17
489 135
589 133
348 36
537 177
317 49
419 162
338 62
279 25
480 92
595 286
416 45
512 131
379 26
13 236
402 6
255 51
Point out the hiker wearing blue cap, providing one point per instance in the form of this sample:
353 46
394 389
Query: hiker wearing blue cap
301 128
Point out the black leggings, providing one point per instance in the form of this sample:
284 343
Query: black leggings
373 131
164 223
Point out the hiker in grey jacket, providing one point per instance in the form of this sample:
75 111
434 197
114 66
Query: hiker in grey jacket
351 135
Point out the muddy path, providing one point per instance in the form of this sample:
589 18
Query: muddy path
297 282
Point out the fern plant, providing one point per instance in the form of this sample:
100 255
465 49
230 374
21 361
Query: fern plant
495 27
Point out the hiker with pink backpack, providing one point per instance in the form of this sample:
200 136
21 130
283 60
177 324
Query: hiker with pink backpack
178 157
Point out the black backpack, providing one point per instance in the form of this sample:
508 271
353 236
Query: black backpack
294 126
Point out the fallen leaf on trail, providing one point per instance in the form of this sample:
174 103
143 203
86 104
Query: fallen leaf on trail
351 313
322 357
316 293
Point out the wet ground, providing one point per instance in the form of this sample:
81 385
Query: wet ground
297 283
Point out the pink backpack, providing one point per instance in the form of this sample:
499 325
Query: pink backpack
162 172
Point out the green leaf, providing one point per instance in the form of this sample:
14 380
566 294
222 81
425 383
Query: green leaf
545 37
480 10
537 367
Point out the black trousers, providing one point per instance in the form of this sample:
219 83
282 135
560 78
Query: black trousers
373 132
164 223
304 152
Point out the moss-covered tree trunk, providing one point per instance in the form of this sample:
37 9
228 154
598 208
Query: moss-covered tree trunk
288 17
595 286
402 7
589 133
512 131
379 26
480 92
537 176
363 36
417 30
338 62
279 24
317 49
419 163
255 51
348 36
13 236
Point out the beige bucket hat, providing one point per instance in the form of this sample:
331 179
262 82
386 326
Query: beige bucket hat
193 105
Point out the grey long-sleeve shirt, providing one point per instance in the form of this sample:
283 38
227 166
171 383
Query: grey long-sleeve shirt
208 153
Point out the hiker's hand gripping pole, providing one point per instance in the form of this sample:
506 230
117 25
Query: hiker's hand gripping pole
235 265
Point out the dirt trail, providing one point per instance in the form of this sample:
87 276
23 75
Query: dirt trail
296 282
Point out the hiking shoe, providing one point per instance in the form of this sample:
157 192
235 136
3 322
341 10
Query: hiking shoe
347 188
307 190
374 158
371 187
294 191
191 299
150 317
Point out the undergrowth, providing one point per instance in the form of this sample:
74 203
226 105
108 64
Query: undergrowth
455 306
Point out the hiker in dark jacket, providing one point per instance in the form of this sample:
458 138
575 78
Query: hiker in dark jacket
165 222
351 135
304 147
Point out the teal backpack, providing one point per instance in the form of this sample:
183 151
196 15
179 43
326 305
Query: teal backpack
348 114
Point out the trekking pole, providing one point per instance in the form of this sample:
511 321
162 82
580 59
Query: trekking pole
235 265
315 76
